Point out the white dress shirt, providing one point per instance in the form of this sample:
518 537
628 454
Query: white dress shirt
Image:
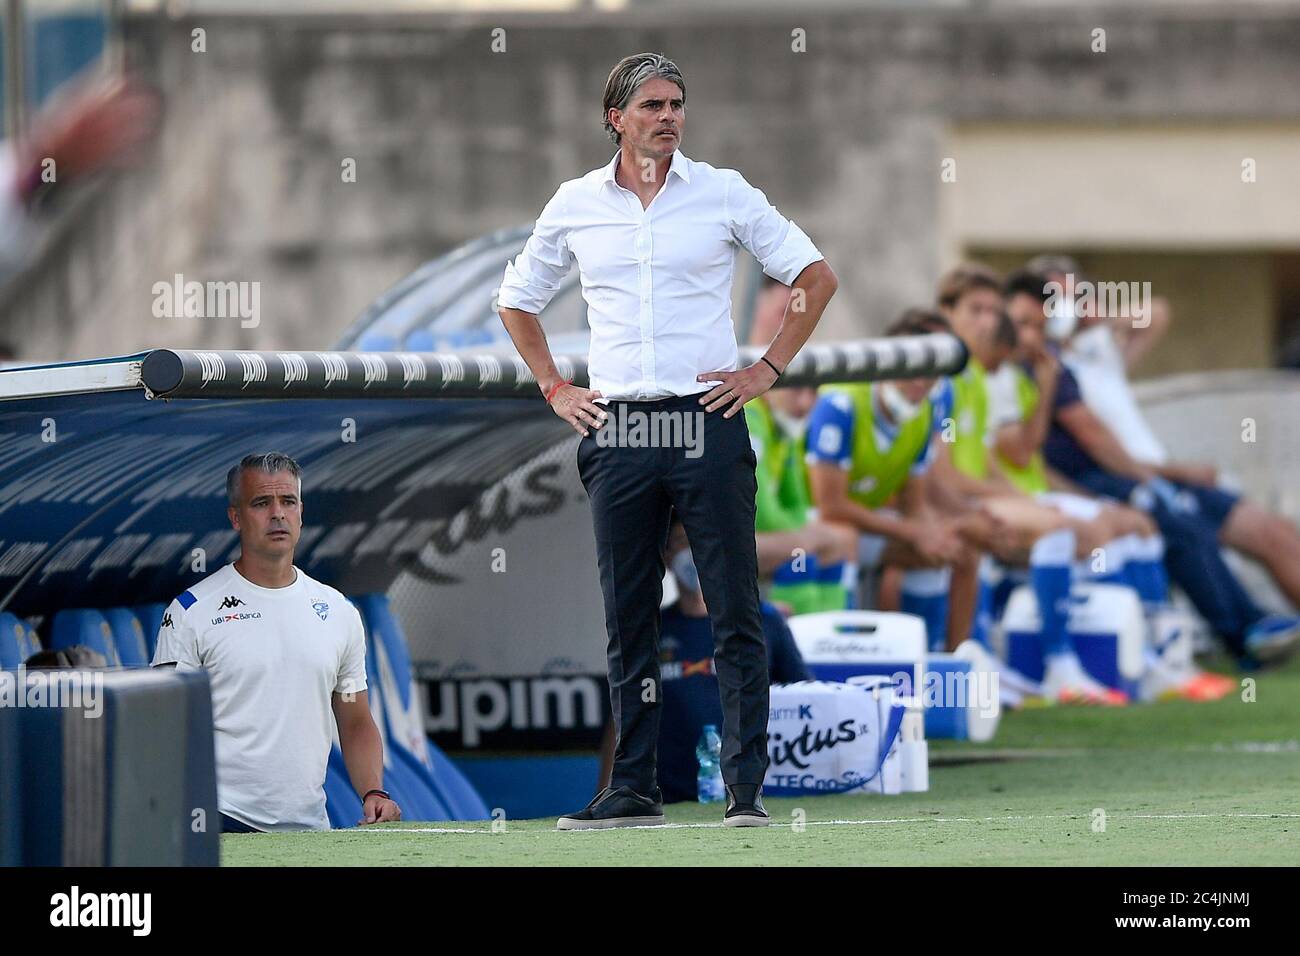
657 281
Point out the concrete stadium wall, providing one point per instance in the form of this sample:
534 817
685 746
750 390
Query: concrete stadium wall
452 140
1243 422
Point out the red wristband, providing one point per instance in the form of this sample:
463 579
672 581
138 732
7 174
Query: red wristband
555 388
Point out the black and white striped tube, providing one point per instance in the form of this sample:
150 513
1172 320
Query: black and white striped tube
184 373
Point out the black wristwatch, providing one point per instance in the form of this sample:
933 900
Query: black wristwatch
382 793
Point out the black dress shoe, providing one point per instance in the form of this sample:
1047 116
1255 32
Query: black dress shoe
745 807
616 807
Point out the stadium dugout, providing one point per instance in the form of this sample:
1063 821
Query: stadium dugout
424 454
112 496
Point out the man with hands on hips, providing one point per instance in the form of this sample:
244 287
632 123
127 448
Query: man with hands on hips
654 235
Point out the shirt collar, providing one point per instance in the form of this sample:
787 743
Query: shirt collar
681 165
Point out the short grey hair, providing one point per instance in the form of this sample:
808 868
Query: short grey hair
628 74
269 462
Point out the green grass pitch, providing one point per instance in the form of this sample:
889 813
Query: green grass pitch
1179 784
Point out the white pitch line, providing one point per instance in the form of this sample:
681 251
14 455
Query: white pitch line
848 823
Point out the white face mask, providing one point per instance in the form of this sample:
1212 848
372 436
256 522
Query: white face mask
792 427
900 408
1062 320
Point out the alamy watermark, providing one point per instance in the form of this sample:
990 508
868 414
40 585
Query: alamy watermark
977 690
634 428
40 688
179 299
1105 300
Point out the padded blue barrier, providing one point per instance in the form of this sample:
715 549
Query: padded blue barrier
15 645
84 626
342 804
408 781
404 783
461 796
128 636
135 785
409 785
392 689
530 787
150 616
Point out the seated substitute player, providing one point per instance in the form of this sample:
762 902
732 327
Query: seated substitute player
1082 447
810 564
1097 362
282 652
869 444
1045 538
1022 394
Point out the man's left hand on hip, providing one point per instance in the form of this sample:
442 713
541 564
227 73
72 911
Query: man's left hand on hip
737 387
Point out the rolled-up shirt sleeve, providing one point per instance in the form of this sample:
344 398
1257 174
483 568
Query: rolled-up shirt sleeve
783 249
534 277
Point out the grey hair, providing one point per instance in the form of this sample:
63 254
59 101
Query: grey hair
269 462
628 74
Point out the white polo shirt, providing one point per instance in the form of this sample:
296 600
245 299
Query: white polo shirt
274 657
656 280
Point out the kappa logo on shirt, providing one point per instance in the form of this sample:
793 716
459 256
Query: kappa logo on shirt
167 620
229 602
321 608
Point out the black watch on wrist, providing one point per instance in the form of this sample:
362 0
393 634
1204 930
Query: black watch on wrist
382 793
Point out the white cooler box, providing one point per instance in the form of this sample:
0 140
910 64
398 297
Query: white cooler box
828 737
841 645
961 701
1106 624
837 645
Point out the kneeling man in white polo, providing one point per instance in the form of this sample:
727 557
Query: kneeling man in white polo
285 655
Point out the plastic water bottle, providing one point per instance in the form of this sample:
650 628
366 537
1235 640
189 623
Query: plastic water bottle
913 750
709 753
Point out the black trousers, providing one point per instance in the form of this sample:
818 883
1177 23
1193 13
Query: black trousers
634 488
